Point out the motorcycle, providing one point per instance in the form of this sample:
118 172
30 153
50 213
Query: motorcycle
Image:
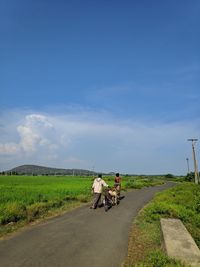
111 198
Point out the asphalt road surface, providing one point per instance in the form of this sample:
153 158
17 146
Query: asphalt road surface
79 238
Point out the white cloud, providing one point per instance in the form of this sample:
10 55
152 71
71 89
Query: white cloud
83 140
34 133
9 148
29 139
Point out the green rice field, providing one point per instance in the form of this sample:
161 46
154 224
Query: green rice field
26 198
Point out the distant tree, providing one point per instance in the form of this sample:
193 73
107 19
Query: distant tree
169 176
14 173
189 177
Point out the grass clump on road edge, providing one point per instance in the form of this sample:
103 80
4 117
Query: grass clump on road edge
145 244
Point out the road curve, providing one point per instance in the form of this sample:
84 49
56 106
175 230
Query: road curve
79 238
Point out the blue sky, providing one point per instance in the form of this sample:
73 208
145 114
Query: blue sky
109 85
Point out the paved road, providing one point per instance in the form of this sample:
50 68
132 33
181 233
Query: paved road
79 238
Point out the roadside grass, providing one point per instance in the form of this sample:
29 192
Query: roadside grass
25 199
140 182
146 241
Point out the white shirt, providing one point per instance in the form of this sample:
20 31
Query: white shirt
98 185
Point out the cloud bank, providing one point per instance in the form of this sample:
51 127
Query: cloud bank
99 141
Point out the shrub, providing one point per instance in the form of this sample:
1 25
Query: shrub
157 258
189 177
83 198
36 210
13 212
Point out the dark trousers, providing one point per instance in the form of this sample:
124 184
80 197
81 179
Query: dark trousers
97 200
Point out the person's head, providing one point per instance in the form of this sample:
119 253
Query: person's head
117 174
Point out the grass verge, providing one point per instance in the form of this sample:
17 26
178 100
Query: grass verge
40 215
145 243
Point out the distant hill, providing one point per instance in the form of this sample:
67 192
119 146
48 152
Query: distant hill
41 170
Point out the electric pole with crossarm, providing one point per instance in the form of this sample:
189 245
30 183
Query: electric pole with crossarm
196 174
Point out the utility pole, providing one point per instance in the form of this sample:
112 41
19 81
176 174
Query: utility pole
188 168
196 174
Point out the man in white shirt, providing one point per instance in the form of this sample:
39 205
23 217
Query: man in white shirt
97 188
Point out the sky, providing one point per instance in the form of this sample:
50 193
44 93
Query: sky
109 86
